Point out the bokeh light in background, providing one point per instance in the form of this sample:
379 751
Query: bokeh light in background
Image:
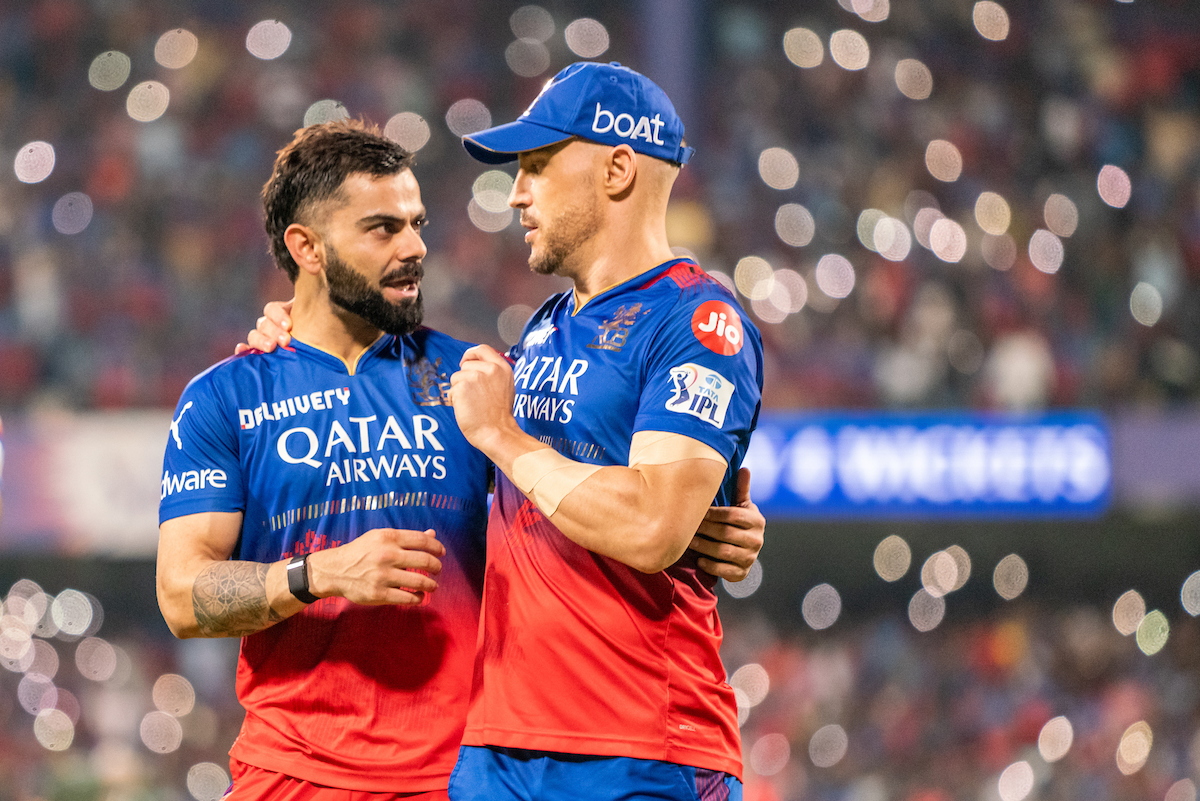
109 70
207 781
1134 748
913 79
770 754
923 222
849 49
828 745
794 225
1114 186
962 565
409 130
1061 215
1182 790
943 160
1153 632
778 168
44 662
752 276
34 162
527 57
467 116
176 49
327 110
587 38
489 221
1128 611
72 213
999 252
747 586
96 659
1189 594
1046 251
835 275
803 48
892 558
1146 303
268 39
926 611
160 732
147 101
948 240
1015 782
532 22
891 239
1010 577
939 574
1055 739
993 213
173 694
821 607
491 190
752 684
54 729
991 20
73 612
512 321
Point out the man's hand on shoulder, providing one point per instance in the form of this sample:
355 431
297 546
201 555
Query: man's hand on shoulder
273 329
383 566
730 537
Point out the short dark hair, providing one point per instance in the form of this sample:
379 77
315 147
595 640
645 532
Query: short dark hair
313 168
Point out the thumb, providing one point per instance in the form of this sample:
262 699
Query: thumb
743 487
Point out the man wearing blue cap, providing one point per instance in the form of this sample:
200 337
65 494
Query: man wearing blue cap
624 410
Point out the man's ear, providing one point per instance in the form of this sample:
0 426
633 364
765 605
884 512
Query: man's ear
620 169
306 247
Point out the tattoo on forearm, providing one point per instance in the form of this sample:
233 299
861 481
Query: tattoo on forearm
230 599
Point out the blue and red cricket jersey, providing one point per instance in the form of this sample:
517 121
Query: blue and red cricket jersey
315 454
579 653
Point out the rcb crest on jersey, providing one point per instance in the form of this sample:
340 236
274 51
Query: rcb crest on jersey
429 383
611 333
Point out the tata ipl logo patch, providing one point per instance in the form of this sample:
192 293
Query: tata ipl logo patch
700 392
614 331
718 327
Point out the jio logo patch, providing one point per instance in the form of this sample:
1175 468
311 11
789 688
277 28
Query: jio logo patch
718 327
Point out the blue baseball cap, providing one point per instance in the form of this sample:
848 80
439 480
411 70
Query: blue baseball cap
604 103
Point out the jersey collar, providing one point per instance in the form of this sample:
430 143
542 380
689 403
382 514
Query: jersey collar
639 281
353 367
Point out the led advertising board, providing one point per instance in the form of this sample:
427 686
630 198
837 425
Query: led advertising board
942 465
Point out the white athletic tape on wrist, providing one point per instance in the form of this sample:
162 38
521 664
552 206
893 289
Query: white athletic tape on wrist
661 447
546 477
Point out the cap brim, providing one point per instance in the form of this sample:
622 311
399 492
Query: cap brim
503 143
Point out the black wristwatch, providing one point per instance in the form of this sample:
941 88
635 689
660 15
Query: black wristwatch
297 575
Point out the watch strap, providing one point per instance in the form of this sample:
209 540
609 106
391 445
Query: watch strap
297 578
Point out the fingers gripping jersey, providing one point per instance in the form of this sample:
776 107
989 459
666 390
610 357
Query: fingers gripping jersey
349 696
579 653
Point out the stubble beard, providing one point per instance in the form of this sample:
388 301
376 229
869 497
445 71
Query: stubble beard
569 231
351 291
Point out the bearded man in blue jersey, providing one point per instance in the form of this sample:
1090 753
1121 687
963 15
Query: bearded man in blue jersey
315 497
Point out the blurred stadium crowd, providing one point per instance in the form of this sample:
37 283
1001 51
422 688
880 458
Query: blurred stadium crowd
926 204
1064 704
